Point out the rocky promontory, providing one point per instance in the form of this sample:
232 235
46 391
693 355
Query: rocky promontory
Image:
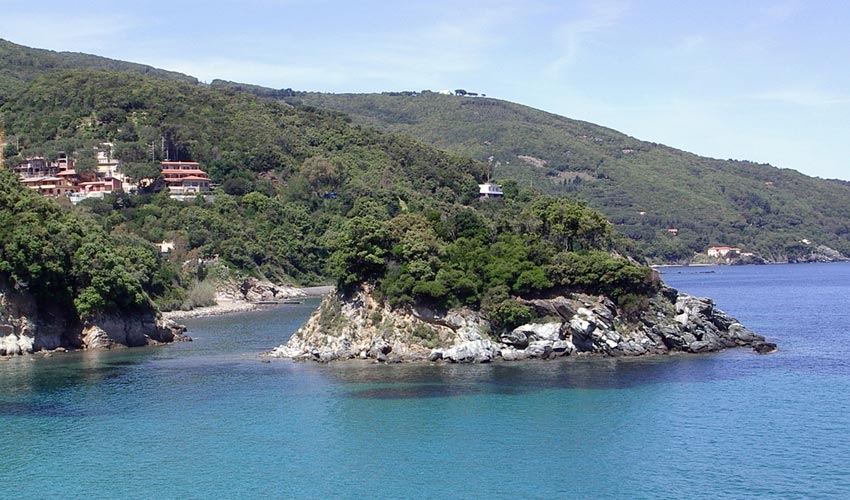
26 328
572 324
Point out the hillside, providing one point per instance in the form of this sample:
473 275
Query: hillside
19 65
273 162
304 196
644 188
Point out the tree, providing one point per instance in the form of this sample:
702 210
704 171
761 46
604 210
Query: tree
321 174
85 165
360 251
141 171
10 150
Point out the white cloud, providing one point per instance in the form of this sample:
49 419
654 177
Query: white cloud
571 37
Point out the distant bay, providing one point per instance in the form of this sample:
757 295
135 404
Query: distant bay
207 419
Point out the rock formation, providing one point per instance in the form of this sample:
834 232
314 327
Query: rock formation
570 325
25 327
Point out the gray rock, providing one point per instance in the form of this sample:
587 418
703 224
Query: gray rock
631 348
563 347
517 338
539 349
511 354
700 346
742 335
582 323
764 347
556 306
478 351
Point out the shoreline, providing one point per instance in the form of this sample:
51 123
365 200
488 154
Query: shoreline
229 306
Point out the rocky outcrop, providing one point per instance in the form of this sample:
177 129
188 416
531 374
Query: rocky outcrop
821 254
572 325
25 327
108 331
256 291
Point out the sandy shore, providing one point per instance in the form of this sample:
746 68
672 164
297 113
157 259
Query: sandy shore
236 306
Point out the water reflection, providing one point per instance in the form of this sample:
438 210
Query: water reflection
410 381
40 374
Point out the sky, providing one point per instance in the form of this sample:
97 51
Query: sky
765 81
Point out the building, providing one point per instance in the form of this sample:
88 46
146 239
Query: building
719 252
490 190
184 178
59 178
165 246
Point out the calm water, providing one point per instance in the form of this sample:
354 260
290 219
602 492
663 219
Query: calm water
207 420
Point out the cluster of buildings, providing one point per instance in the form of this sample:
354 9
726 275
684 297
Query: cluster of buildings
54 178
724 252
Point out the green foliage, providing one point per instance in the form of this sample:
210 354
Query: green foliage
599 272
510 314
359 253
427 336
643 188
67 261
200 294
10 150
405 216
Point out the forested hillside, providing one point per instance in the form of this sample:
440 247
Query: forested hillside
304 197
644 188
19 65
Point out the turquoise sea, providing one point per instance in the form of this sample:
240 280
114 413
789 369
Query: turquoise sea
207 419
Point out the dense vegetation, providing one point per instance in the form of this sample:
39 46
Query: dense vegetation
484 257
304 196
19 65
68 262
643 188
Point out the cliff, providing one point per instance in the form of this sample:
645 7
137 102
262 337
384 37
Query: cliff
359 326
26 328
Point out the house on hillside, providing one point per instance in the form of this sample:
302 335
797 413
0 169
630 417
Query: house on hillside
490 190
185 178
60 178
723 251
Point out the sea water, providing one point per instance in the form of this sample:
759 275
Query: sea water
208 419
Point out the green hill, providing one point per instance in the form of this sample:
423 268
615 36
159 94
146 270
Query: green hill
644 188
19 65
305 196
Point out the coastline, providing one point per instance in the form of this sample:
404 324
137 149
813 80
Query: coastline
231 306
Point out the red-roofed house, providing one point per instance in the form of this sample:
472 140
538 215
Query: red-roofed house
185 177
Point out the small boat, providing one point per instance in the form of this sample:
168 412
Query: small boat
293 301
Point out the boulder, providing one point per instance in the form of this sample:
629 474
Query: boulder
477 351
563 348
517 338
539 349
511 354
764 347
521 336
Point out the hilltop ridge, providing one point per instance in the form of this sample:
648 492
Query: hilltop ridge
645 188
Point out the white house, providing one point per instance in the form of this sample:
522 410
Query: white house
490 190
717 252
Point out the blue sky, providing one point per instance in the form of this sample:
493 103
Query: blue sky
767 81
